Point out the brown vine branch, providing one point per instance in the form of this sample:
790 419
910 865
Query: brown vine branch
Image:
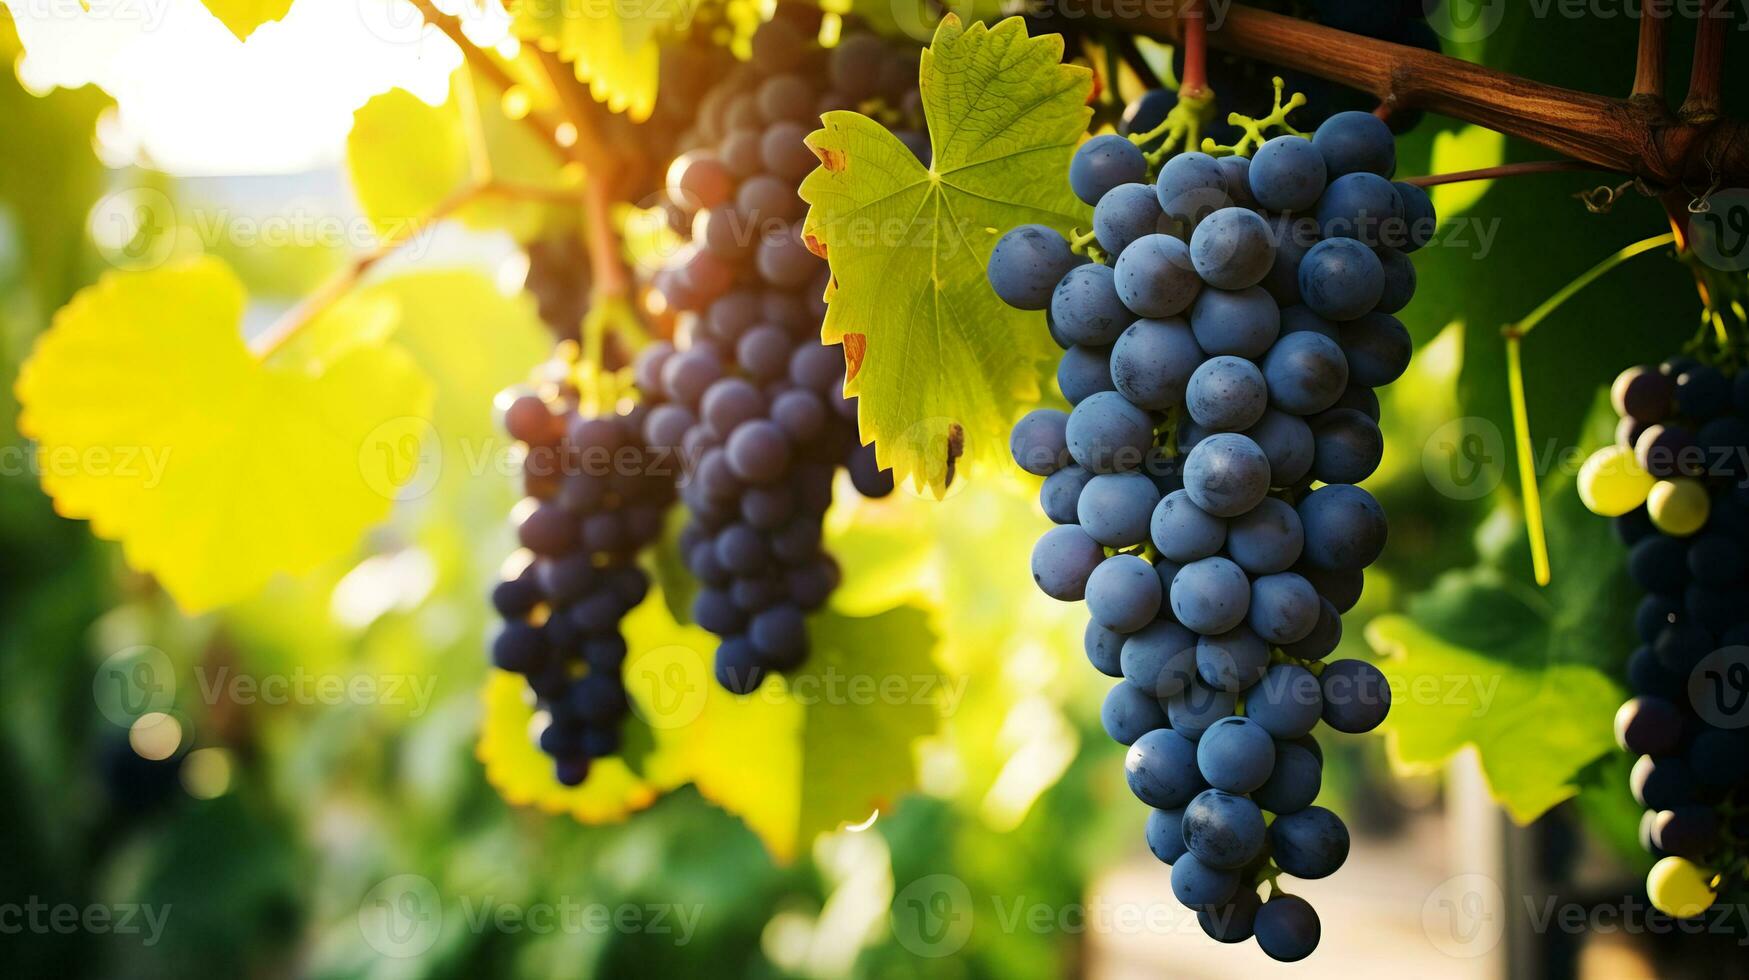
1649 60
1194 23
1613 134
1504 170
1706 76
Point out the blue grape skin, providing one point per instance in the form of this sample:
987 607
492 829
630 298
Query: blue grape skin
1360 398
1027 264
1242 322
1284 607
1063 560
1419 219
1166 570
1310 844
1183 532
1301 319
1130 712
1226 474
1223 830
1235 755
1356 696
1194 169
1293 238
1323 639
1287 702
1231 661
1191 187
1341 279
1061 494
1233 922
1166 470
1154 276
1237 171
1126 212
1286 441
1086 309
1161 769
1084 371
1106 434
1233 248
1189 434
1349 446
1115 508
1039 442
1268 539
1345 528
1104 649
1287 928
1152 362
1123 593
1198 886
1306 373
1356 142
1227 394
1287 174
1146 113
1165 833
1343 588
1378 349
1160 658
1192 710
1102 163
1361 206
1211 595
1293 784
1400 279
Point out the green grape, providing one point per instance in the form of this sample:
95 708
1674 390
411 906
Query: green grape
1678 507
1611 482
1681 888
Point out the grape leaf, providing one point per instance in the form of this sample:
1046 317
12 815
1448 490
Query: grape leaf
940 364
242 17
214 470
613 47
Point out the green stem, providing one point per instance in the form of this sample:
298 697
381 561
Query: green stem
1590 276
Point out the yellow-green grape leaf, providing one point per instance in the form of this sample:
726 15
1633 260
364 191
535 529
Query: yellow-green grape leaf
215 471
406 157
243 16
612 47
835 740
940 364
523 774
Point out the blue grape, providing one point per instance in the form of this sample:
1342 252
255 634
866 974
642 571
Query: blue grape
1242 322
1193 169
1161 769
1226 474
1184 532
1287 174
1268 539
1130 712
1293 238
1027 264
1284 607
1286 441
1102 163
1115 508
1165 833
1419 218
1160 658
1360 206
1192 710
1198 886
1356 142
1344 526
1377 347
737 667
1063 560
1341 279
1237 171
1126 212
1287 702
1342 588
1301 319
1349 446
1104 649
1227 394
1356 696
1399 279
1306 373
1211 596
1231 661
1061 494
1086 309
1287 928
1191 187
1084 371
1309 844
1235 755
1223 830
1322 640
1360 398
1234 248
1154 276
1123 593
1146 113
1039 442
1106 434
1294 783
1233 922
1152 362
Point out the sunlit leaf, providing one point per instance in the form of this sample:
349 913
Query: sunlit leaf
612 47
243 16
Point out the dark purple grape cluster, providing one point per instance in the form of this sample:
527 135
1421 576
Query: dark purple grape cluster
597 496
754 402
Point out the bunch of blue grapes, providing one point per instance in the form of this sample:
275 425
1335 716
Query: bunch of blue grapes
597 495
1220 356
754 403
1677 483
